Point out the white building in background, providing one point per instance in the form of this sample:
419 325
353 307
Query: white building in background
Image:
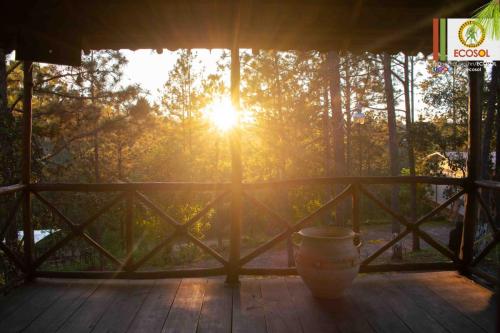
440 193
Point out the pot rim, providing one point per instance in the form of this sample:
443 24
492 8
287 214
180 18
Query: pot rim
347 233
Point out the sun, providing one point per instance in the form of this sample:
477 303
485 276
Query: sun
221 114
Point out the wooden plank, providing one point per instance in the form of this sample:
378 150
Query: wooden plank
11 188
339 314
433 266
155 308
174 273
121 313
417 319
66 305
185 311
33 307
491 184
126 187
474 301
16 298
85 318
433 304
346 315
374 308
248 308
217 306
312 315
278 306
355 180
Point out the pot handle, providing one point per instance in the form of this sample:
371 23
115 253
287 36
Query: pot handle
358 242
295 237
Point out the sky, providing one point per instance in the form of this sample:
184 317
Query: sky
150 70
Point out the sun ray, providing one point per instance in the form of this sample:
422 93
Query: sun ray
221 114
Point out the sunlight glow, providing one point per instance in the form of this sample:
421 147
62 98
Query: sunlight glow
221 114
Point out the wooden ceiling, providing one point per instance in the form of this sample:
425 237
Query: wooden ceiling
57 30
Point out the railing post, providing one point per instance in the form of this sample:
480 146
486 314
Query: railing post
355 210
236 177
26 165
129 236
473 162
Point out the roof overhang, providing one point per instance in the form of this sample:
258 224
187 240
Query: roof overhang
57 30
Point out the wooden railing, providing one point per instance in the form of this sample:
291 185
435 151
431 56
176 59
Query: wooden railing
135 193
473 268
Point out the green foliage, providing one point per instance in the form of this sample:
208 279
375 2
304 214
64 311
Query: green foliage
489 16
89 126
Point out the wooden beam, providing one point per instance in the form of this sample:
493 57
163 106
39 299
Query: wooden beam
11 189
490 184
124 187
76 230
355 180
356 222
296 227
26 165
181 273
275 217
409 267
413 227
484 275
473 163
406 267
193 186
129 222
236 174
10 217
486 211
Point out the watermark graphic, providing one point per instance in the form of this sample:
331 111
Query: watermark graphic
441 68
464 40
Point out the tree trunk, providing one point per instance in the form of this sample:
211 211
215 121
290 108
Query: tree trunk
488 135
411 152
327 156
393 148
283 154
7 158
3 82
348 118
488 123
221 211
497 152
7 137
337 127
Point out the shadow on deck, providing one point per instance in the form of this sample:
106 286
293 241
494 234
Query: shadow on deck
396 302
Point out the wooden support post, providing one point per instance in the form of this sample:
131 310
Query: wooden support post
129 238
236 176
355 208
473 164
26 166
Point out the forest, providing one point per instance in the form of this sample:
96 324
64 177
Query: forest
303 115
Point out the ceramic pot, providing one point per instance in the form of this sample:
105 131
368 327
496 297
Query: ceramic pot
327 260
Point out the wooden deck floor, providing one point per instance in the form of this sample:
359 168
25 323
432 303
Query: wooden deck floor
418 302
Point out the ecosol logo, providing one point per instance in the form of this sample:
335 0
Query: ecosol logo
463 40
471 34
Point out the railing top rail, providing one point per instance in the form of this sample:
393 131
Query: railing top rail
192 186
358 180
142 186
491 184
11 188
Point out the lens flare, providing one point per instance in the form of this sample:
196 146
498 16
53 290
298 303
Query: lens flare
221 114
